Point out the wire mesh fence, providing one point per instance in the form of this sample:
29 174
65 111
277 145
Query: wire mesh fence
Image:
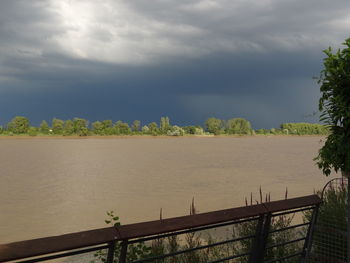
330 235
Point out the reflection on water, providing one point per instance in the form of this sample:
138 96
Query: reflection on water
56 186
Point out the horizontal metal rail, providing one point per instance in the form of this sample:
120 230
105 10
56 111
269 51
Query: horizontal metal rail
286 243
231 257
66 254
193 249
191 230
49 247
289 227
293 211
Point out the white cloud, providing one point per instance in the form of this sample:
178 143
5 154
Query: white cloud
112 32
143 31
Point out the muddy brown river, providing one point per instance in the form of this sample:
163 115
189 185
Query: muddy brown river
56 186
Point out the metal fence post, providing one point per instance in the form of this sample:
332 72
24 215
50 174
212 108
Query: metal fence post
348 225
259 245
255 245
111 248
123 252
308 240
264 236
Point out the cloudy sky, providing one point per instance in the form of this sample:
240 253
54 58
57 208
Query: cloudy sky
186 59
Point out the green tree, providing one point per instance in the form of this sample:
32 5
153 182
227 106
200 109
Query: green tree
18 125
83 131
107 124
199 130
110 131
122 128
97 127
164 125
33 131
57 126
214 125
80 126
238 126
175 131
262 131
334 105
190 129
145 129
68 128
136 125
44 127
153 128
273 131
108 128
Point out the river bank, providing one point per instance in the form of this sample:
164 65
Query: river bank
143 136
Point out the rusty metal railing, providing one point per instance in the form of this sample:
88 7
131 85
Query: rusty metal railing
258 216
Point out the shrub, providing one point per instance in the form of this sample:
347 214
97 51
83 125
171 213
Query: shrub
32 131
262 131
135 252
175 131
278 222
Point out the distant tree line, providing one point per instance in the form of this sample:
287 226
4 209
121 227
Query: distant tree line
300 128
304 128
231 126
212 126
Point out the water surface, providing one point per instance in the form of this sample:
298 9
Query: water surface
56 186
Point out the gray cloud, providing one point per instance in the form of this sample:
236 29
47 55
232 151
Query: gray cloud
186 59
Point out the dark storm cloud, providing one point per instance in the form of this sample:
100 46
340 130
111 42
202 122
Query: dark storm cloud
189 60
187 92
